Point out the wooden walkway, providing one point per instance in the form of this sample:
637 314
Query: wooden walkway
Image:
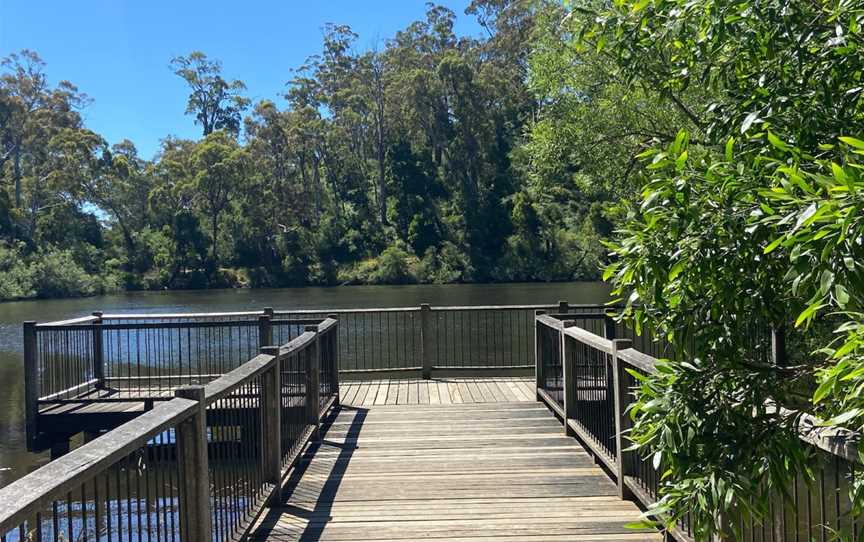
490 470
437 391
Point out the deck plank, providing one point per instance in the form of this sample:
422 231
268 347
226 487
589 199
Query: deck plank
450 473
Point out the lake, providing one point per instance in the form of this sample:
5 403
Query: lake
15 461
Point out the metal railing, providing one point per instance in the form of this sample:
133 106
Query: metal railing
200 466
586 380
144 357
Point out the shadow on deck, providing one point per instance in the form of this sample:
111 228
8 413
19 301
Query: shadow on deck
449 472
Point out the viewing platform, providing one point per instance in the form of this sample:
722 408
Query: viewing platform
493 464
443 423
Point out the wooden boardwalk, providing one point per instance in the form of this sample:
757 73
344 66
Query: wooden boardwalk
437 391
494 467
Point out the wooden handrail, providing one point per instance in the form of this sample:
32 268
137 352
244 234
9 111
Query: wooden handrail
840 443
32 493
71 321
588 338
253 314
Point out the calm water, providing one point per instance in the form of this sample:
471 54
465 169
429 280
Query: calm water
15 461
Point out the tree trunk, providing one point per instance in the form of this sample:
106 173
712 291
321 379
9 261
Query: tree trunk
16 173
382 184
215 230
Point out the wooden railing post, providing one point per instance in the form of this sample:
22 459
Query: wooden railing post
425 340
569 384
265 330
313 385
622 419
31 384
538 356
778 347
563 307
271 422
335 353
98 352
194 469
609 327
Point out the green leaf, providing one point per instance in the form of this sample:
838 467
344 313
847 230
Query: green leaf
826 280
852 142
748 121
808 313
841 419
822 391
774 244
777 142
839 174
842 295
676 270
730 148
641 525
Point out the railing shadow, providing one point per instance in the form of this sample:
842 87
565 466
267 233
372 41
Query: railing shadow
320 515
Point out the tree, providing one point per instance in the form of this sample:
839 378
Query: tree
216 103
219 168
746 223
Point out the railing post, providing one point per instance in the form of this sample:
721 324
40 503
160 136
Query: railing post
778 347
622 419
609 327
98 352
194 470
265 330
569 384
335 353
563 307
271 423
425 340
313 385
538 356
31 384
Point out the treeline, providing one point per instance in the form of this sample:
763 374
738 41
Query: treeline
423 161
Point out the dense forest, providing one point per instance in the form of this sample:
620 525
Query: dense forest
433 159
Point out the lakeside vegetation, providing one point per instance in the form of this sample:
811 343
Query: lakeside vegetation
429 160
706 153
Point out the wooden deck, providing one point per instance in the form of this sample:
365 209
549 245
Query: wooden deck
437 391
491 464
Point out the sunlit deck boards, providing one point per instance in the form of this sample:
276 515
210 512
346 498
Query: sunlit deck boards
437 391
453 472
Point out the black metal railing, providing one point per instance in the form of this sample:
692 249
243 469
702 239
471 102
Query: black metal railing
590 391
598 387
123 487
550 369
200 466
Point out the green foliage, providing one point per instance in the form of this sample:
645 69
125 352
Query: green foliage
394 266
426 160
749 219
56 274
16 278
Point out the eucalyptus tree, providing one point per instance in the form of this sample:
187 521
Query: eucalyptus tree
219 167
216 103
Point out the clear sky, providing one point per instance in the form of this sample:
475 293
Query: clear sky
118 51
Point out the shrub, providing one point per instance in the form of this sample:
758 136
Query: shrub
16 279
57 274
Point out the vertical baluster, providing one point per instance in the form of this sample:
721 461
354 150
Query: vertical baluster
191 442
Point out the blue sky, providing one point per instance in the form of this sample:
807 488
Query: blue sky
118 52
